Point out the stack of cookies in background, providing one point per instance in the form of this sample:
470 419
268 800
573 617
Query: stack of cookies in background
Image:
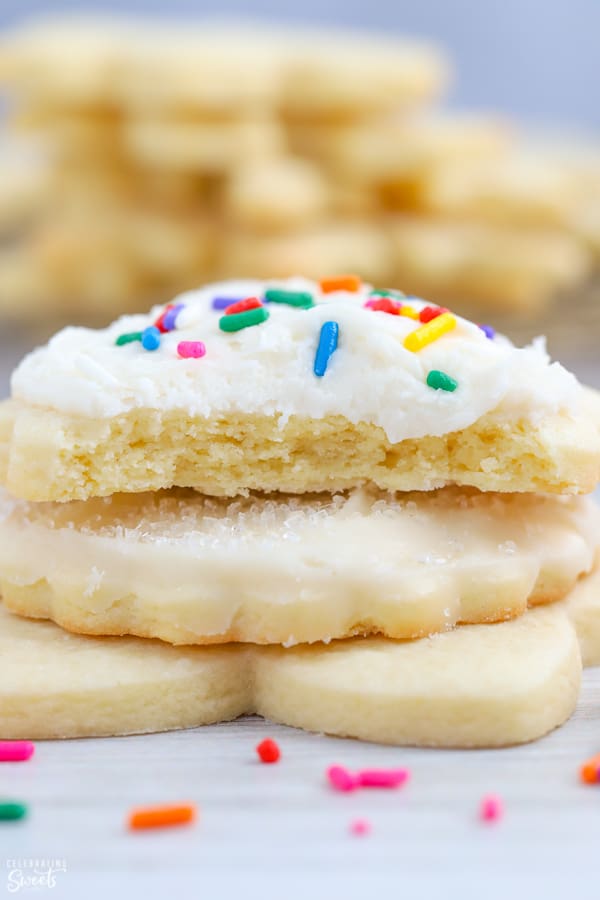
344 490
173 153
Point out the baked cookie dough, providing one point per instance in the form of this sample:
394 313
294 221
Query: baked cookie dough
312 390
477 686
195 570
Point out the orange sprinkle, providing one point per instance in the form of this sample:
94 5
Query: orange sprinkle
341 283
589 770
161 816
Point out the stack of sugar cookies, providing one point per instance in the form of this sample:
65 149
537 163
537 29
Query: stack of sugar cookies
177 153
353 497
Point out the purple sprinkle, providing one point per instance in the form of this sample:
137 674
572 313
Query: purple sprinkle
224 302
169 321
488 331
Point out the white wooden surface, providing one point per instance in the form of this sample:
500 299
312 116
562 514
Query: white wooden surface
279 832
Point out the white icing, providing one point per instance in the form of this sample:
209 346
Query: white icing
268 369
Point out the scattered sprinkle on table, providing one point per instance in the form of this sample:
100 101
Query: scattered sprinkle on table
328 341
439 381
161 816
12 810
128 338
191 349
241 320
268 751
243 306
16 751
350 283
491 808
430 332
590 770
300 299
341 779
360 827
151 338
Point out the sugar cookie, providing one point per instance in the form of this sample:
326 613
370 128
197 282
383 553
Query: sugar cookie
94 413
193 569
478 686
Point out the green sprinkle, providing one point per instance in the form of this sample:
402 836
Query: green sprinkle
439 381
386 292
10 811
128 338
237 321
301 299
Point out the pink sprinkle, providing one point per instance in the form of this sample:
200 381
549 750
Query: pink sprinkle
360 827
341 779
191 349
491 808
16 751
384 778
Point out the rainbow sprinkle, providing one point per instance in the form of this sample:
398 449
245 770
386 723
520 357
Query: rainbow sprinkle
224 302
191 349
128 338
429 333
328 341
151 338
243 319
439 381
488 331
169 321
299 299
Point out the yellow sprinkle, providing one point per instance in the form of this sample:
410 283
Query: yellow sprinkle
409 312
430 332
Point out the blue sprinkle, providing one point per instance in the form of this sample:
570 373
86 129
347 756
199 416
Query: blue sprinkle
488 331
224 302
170 317
151 338
328 341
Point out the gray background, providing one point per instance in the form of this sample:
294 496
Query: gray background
536 59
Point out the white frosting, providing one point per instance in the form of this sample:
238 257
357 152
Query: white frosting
268 369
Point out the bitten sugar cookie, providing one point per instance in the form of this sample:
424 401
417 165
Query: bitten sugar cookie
302 387
478 686
193 569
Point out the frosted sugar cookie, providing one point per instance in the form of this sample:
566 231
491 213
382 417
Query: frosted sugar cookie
355 244
583 607
272 195
489 265
478 686
192 569
306 387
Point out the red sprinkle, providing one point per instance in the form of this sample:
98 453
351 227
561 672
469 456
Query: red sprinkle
268 751
384 304
160 322
191 349
243 306
491 808
431 312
